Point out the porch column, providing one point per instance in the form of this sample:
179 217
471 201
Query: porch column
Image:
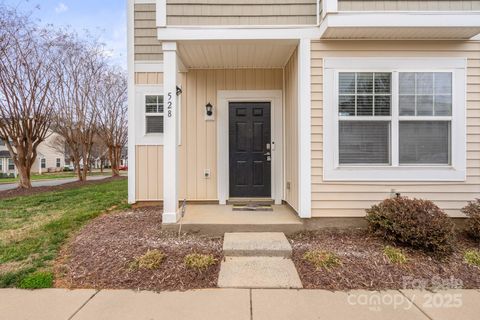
170 143
304 130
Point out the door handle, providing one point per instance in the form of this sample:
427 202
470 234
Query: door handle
267 154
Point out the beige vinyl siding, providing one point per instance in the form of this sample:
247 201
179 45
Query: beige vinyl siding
147 47
342 199
408 5
291 131
146 78
198 148
241 12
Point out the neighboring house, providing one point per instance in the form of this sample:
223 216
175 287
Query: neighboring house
50 157
327 106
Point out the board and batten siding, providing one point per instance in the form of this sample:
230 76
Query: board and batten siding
408 5
291 131
146 44
198 138
350 199
241 12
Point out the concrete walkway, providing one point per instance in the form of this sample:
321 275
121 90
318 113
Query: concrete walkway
241 304
48 182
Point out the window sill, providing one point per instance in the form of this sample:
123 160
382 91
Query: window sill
403 173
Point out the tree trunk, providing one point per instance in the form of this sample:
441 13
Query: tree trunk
24 174
112 153
101 165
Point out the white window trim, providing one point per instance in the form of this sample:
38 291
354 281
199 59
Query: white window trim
454 172
223 99
141 135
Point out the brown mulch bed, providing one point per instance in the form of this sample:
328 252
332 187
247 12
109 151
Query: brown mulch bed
100 254
364 265
35 190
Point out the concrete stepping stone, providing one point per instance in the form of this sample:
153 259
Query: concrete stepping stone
265 244
258 272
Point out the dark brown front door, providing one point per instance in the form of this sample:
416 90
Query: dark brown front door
250 162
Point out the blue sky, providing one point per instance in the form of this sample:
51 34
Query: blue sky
106 19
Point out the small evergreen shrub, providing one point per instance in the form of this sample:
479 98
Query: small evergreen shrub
37 280
394 255
472 257
150 260
199 261
472 211
322 259
414 222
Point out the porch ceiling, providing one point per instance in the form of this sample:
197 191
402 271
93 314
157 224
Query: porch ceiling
236 54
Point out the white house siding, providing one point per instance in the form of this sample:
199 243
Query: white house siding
52 148
408 5
350 199
241 12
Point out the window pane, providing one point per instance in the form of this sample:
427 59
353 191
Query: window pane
382 105
382 82
151 99
424 142
443 83
364 142
154 124
424 105
443 105
346 106
364 105
347 82
407 105
424 82
364 82
407 82
149 108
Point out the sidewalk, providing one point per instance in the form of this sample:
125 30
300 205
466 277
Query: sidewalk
241 304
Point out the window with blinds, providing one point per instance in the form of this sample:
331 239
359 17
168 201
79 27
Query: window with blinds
153 114
422 124
425 110
364 109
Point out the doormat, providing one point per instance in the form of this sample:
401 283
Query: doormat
252 207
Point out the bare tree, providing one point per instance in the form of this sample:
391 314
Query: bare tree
111 102
79 71
26 83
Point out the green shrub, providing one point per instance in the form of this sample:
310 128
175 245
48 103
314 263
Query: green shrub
414 222
472 257
199 261
322 259
150 260
394 255
37 280
472 211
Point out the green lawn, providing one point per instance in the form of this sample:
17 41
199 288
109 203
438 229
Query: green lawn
33 228
54 175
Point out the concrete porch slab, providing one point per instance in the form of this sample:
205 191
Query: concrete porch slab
258 272
45 304
215 219
266 244
327 305
190 305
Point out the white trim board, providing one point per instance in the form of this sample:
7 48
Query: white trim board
395 172
131 103
224 97
174 33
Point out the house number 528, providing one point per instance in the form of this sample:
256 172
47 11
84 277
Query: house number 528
169 104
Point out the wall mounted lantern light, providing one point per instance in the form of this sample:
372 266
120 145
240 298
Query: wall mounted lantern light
209 109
